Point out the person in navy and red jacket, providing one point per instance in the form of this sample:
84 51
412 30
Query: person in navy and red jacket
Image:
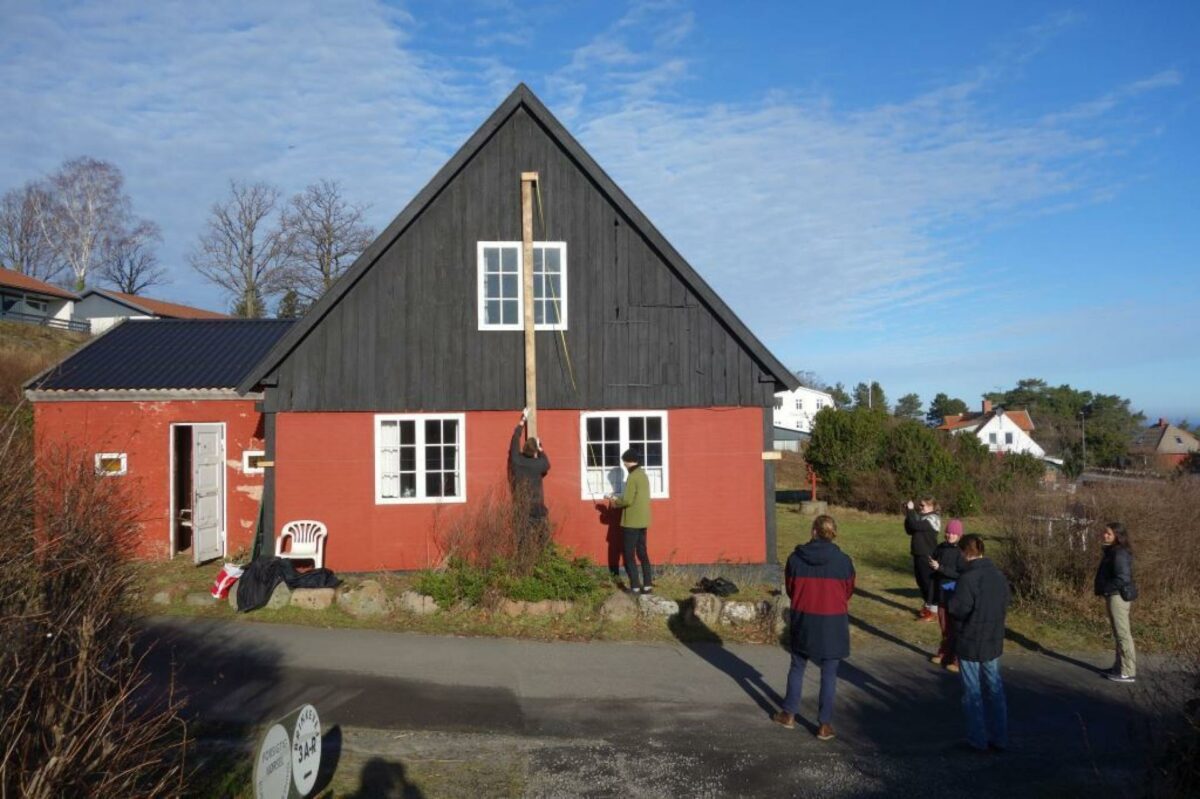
820 582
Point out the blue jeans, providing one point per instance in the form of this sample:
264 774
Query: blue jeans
795 684
978 679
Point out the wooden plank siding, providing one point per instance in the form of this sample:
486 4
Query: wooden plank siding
404 336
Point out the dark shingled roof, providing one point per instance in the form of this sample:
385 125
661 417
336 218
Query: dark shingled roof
166 354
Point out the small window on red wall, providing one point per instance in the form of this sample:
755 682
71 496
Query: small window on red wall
110 464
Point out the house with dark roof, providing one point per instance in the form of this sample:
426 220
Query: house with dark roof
390 405
31 301
1163 446
1003 431
103 308
153 403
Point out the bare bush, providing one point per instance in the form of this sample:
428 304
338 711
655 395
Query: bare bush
76 715
497 529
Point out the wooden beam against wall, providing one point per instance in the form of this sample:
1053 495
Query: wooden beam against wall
527 181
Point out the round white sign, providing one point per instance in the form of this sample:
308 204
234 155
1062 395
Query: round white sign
273 767
306 749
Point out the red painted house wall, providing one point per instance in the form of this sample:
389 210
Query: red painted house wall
325 470
142 430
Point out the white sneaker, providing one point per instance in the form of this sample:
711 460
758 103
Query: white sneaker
1122 678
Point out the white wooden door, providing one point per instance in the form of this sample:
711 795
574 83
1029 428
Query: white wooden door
208 491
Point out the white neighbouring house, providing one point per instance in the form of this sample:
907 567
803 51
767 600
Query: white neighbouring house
1002 431
794 415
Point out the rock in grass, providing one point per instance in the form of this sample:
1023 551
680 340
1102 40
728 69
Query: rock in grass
779 611
280 597
547 607
313 598
161 598
368 599
618 607
703 611
513 607
418 604
740 613
655 605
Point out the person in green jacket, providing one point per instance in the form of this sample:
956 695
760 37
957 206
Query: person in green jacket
635 519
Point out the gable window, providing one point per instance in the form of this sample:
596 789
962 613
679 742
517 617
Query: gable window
501 305
605 435
779 403
1008 438
110 464
419 458
991 438
799 404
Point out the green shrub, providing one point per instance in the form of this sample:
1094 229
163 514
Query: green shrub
845 445
555 575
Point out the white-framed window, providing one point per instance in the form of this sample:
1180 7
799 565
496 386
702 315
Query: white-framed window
1008 438
252 461
992 438
820 404
419 458
110 464
501 306
779 403
604 435
799 404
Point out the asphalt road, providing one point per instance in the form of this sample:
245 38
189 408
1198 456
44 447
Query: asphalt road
657 719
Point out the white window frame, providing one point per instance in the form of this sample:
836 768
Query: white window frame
993 439
460 460
586 491
247 454
799 403
1009 439
103 456
481 293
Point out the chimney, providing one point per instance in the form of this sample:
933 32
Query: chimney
987 406
1162 422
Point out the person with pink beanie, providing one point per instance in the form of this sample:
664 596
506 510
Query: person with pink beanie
947 563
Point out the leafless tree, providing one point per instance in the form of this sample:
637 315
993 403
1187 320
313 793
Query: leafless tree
24 245
325 233
241 250
88 202
130 260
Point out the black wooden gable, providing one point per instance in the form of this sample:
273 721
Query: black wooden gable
399 331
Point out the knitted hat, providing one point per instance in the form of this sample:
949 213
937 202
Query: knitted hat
954 527
631 455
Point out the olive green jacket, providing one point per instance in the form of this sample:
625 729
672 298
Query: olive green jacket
635 500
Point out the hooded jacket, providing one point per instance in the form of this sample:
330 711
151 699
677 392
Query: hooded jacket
924 531
820 581
978 608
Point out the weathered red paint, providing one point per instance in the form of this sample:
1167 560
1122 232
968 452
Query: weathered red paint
325 470
142 430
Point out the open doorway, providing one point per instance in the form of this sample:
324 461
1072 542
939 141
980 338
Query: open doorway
198 490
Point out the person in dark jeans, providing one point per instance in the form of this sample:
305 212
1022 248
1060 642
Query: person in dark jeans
528 465
635 521
922 523
819 581
978 608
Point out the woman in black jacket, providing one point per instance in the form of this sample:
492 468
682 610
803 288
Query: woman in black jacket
923 524
1114 582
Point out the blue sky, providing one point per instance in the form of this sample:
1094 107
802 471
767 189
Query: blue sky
938 196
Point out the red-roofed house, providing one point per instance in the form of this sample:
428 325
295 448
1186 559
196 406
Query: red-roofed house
27 299
1163 446
103 308
1002 431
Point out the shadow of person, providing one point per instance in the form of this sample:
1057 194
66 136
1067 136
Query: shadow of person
709 646
611 518
384 779
1033 646
883 600
871 629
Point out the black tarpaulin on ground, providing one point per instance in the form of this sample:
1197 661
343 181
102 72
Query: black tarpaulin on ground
260 578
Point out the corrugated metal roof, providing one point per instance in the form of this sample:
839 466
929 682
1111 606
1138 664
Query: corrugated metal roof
166 354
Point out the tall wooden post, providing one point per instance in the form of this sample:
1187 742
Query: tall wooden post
527 181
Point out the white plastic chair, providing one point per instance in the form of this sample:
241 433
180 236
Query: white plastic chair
308 541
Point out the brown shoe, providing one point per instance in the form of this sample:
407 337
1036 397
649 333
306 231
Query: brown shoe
825 732
784 718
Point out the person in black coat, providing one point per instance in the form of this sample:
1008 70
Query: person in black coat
947 563
528 465
923 524
978 609
1114 582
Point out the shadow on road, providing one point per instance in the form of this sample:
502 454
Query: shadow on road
709 646
1033 646
385 779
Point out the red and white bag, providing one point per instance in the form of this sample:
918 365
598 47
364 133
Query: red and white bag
228 575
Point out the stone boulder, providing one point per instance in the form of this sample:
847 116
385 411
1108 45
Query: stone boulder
281 597
418 604
655 605
313 598
512 607
779 611
547 607
704 610
161 598
368 599
740 614
618 607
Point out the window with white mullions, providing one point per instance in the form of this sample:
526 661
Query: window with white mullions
604 436
418 458
501 304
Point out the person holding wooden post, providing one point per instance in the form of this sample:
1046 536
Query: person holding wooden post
529 464
635 520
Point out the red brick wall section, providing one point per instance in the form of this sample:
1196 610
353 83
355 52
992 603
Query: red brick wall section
326 471
142 430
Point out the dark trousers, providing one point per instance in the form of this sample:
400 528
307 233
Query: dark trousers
795 682
926 583
634 541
